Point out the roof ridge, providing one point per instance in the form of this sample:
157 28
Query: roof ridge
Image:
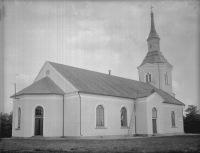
94 82
95 72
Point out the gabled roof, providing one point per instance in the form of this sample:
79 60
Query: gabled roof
154 57
168 98
99 83
86 81
104 84
43 86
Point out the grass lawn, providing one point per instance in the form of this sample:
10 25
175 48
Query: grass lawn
174 144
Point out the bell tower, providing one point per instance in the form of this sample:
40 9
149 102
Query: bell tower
155 69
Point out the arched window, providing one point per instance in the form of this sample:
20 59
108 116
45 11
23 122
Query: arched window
148 77
154 120
19 118
166 78
123 116
100 116
47 72
173 118
39 111
154 113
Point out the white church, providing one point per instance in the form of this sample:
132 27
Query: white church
66 101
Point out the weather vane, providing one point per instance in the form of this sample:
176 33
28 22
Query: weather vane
151 8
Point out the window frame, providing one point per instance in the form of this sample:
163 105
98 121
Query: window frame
166 78
19 117
154 113
48 72
148 77
124 120
39 115
100 117
173 120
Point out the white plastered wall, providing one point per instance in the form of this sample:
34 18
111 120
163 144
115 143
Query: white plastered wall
164 122
112 107
141 116
56 77
158 75
72 115
178 110
52 124
154 101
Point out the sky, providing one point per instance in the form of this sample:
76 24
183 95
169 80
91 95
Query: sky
100 36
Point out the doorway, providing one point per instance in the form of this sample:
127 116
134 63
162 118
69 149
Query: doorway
154 126
39 121
154 120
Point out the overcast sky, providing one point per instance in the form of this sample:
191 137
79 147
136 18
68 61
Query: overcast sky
100 36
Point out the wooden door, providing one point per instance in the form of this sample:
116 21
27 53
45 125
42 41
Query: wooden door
154 125
41 126
38 126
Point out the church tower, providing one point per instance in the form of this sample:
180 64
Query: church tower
155 68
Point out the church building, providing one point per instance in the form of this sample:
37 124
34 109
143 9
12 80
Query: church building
65 101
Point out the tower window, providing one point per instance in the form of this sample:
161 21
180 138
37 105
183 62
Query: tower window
166 78
148 77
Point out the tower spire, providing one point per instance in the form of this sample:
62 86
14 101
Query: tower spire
153 32
151 8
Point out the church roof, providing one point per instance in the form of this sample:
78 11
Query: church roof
168 98
104 84
87 81
154 57
99 83
43 86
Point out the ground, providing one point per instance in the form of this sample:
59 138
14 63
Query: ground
175 144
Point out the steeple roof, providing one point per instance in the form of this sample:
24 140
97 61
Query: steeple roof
153 33
154 57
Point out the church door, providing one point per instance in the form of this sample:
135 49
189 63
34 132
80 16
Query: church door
38 126
154 119
154 126
39 121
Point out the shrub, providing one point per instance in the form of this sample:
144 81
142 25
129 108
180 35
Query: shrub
5 125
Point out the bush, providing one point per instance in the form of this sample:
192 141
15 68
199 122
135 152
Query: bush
192 120
5 125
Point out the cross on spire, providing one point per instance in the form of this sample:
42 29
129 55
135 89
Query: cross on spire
151 8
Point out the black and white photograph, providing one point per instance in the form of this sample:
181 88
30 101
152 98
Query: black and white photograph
99 76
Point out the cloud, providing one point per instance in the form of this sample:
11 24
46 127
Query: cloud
176 86
100 36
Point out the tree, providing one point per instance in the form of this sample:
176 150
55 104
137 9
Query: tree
5 125
192 120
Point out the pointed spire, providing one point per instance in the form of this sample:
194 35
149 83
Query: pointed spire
153 32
